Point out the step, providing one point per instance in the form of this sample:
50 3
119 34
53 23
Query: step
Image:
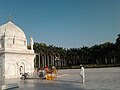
10 86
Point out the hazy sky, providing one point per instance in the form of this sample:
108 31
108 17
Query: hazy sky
65 23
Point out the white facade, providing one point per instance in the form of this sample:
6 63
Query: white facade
15 58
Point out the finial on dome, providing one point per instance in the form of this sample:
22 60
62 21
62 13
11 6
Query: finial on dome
10 17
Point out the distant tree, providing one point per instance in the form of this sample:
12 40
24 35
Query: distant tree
106 53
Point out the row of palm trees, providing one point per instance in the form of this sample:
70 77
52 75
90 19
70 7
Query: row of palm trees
106 53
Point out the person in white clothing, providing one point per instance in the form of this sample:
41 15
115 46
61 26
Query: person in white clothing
82 73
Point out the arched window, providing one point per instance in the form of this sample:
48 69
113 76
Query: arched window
13 40
24 42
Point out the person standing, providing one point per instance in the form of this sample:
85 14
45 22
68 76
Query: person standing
82 73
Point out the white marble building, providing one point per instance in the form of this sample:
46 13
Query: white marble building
15 58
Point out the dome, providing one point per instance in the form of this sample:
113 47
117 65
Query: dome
12 36
10 29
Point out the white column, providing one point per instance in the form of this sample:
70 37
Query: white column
48 60
43 61
52 60
62 62
17 71
31 42
39 60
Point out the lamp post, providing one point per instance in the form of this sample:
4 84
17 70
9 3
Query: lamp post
57 59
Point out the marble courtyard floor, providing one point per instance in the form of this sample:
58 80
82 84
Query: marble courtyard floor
69 79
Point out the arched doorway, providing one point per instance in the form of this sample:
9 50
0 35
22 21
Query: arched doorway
22 68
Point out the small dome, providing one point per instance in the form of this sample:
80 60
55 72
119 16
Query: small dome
12 30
